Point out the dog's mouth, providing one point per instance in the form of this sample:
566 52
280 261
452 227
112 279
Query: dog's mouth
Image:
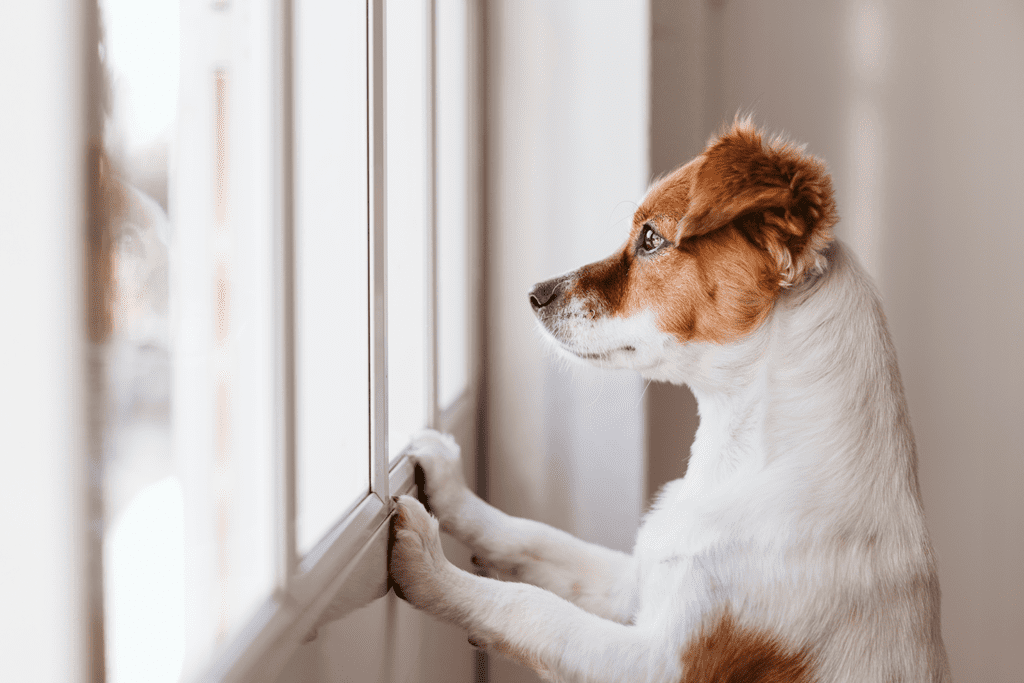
599 355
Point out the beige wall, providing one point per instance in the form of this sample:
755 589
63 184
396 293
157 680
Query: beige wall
917 108
567 88
568 157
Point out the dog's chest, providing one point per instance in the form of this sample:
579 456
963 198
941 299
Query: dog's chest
671 534
673 587
686 521
687 549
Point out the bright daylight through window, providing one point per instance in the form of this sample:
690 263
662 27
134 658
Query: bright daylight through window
331 264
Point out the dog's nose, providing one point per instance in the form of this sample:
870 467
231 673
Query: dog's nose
546 292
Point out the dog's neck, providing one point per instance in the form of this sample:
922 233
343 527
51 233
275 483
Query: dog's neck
818 380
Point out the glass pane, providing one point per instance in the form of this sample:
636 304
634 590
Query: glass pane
453 210
331 270
189 356
408 221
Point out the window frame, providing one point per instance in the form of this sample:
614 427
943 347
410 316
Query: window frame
353 555
347 568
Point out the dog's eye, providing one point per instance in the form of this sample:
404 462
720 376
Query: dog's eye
649 240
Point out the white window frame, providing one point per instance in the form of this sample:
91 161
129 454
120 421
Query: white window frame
346 569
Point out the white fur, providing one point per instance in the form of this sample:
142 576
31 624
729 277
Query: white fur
799 511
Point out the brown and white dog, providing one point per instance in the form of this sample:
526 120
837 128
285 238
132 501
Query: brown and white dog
795 548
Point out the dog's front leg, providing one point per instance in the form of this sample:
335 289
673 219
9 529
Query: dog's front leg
599 580
559 640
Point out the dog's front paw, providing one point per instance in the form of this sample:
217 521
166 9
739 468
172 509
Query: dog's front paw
418 566
437 455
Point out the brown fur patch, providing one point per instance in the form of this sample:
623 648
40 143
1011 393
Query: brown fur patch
729 653
746 218
605 281
739 174
743 220
716 287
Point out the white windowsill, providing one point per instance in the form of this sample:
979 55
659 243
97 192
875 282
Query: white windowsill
344 571
352 557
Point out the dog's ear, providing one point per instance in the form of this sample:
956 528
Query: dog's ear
777 194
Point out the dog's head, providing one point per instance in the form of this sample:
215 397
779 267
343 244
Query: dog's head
712 246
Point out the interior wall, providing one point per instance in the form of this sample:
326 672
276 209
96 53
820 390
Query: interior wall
915 107
567 150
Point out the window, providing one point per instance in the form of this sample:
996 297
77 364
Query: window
331 263
290 302
409 206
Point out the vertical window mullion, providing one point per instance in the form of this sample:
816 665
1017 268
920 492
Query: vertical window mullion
452 198
287 546
378 251
433 400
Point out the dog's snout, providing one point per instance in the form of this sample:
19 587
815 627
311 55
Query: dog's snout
546 292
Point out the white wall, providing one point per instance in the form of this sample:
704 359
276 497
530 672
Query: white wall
567 159
917 107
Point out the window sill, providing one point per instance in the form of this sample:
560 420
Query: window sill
345 571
